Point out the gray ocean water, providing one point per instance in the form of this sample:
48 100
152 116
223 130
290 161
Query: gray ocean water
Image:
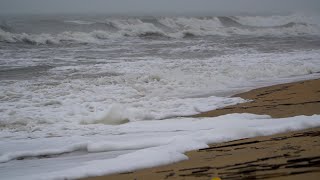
49 61
32 45
79 91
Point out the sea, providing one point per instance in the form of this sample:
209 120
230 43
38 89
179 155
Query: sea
89 95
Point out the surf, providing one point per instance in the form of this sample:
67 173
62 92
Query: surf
163 27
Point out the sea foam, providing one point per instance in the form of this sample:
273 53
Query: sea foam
147 144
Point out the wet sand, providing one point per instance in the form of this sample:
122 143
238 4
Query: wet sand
284 100
292 155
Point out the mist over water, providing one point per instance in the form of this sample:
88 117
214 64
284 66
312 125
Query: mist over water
163 7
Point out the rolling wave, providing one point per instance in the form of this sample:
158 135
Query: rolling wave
170 27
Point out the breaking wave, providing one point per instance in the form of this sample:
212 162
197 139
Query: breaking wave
171 27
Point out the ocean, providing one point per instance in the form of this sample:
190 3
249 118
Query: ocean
87 95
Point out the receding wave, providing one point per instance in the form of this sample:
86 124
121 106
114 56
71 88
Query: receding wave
170 27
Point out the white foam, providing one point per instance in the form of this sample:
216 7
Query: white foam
176 27
194 26
94 37
150 144
115 115
36 153
132 145
144 90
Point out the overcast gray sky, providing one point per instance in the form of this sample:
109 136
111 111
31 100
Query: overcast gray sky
159 6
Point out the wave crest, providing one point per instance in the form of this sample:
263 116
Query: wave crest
172 27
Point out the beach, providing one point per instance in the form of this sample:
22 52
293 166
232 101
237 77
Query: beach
278 101
89 95
291 155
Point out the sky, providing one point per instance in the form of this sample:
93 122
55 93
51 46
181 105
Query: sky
149 7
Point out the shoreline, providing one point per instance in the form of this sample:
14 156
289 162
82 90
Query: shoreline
289 155
278 101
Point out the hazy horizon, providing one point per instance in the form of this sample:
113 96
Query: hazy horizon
155 7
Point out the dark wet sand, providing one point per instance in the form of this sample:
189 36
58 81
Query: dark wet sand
293 155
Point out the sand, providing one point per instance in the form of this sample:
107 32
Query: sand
284 100
292 155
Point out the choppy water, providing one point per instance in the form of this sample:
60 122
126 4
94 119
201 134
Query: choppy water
59 76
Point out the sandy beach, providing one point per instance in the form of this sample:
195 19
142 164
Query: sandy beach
165 90
292 155
279 101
